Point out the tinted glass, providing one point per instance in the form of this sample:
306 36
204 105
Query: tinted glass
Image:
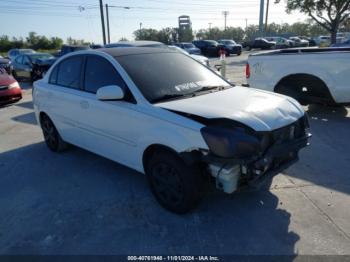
69 72
53 76
26 60
189 46
98 73
19 59
161 74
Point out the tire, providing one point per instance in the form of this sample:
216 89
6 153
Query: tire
52 138
292 91
176 186
239 52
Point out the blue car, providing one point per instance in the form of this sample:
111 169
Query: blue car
344 44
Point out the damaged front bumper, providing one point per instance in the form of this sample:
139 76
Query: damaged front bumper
230 174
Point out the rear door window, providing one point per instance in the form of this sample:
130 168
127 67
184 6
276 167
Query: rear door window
69 72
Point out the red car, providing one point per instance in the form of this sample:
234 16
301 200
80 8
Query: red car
10 91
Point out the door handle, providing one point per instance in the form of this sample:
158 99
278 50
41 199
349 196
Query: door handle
84 104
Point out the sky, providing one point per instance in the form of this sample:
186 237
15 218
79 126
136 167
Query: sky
81 19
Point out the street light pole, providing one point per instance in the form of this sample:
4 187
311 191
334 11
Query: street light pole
103 23
108 32
261 18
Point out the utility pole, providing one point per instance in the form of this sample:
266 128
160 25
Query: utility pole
267 14
103 23
108 32
261 18
246 24
225 13
209 26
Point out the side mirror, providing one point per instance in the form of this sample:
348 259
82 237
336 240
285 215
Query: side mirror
112 92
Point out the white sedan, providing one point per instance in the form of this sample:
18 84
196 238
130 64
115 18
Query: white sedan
166 115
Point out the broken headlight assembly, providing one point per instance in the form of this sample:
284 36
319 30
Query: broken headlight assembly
231 142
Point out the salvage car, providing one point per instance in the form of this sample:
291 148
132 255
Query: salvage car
201 59
259 43
189 48
231 46
15 52
10 91
309 75
6 64
164 114
27 66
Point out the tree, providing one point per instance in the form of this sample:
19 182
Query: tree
329 14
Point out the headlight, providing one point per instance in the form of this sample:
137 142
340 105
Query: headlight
14 85
230 142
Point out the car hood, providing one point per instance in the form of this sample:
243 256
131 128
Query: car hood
6 79
260 110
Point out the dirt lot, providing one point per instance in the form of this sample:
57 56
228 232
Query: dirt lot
80 203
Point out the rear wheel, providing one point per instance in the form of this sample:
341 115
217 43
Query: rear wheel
175 185
52 138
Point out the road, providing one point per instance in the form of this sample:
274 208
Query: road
79 203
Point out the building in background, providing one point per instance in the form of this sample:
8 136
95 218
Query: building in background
185 22
185 33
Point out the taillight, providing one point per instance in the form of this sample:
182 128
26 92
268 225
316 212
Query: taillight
247 70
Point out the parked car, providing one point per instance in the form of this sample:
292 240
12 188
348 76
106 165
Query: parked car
189 48
201 59
27 66
299 42
10 91
323 41
231 46
6 64
136 44
309 39
259 43
281 42
163 114
209 47
343 44
309 75
41 65
15 52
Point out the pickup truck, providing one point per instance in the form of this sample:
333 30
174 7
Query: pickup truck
309 75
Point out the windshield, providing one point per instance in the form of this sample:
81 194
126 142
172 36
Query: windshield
159 75
41 56
228 42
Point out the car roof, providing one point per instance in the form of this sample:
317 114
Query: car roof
135 43
116 51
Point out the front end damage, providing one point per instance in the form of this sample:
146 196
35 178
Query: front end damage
240 156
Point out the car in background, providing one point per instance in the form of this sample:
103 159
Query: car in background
259 43
281 42
201 59
323 40
299 42
27 66
10 91
136 44
15 52
189 48
6 64
231 46
309 39
209 47
66 49
171 118
96 46
346 43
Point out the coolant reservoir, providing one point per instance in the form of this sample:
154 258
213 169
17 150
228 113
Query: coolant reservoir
226 178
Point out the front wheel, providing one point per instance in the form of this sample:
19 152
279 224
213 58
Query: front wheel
175 185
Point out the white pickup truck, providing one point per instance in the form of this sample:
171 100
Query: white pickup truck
310 75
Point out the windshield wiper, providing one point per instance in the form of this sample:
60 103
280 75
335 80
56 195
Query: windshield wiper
168 97
207 88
